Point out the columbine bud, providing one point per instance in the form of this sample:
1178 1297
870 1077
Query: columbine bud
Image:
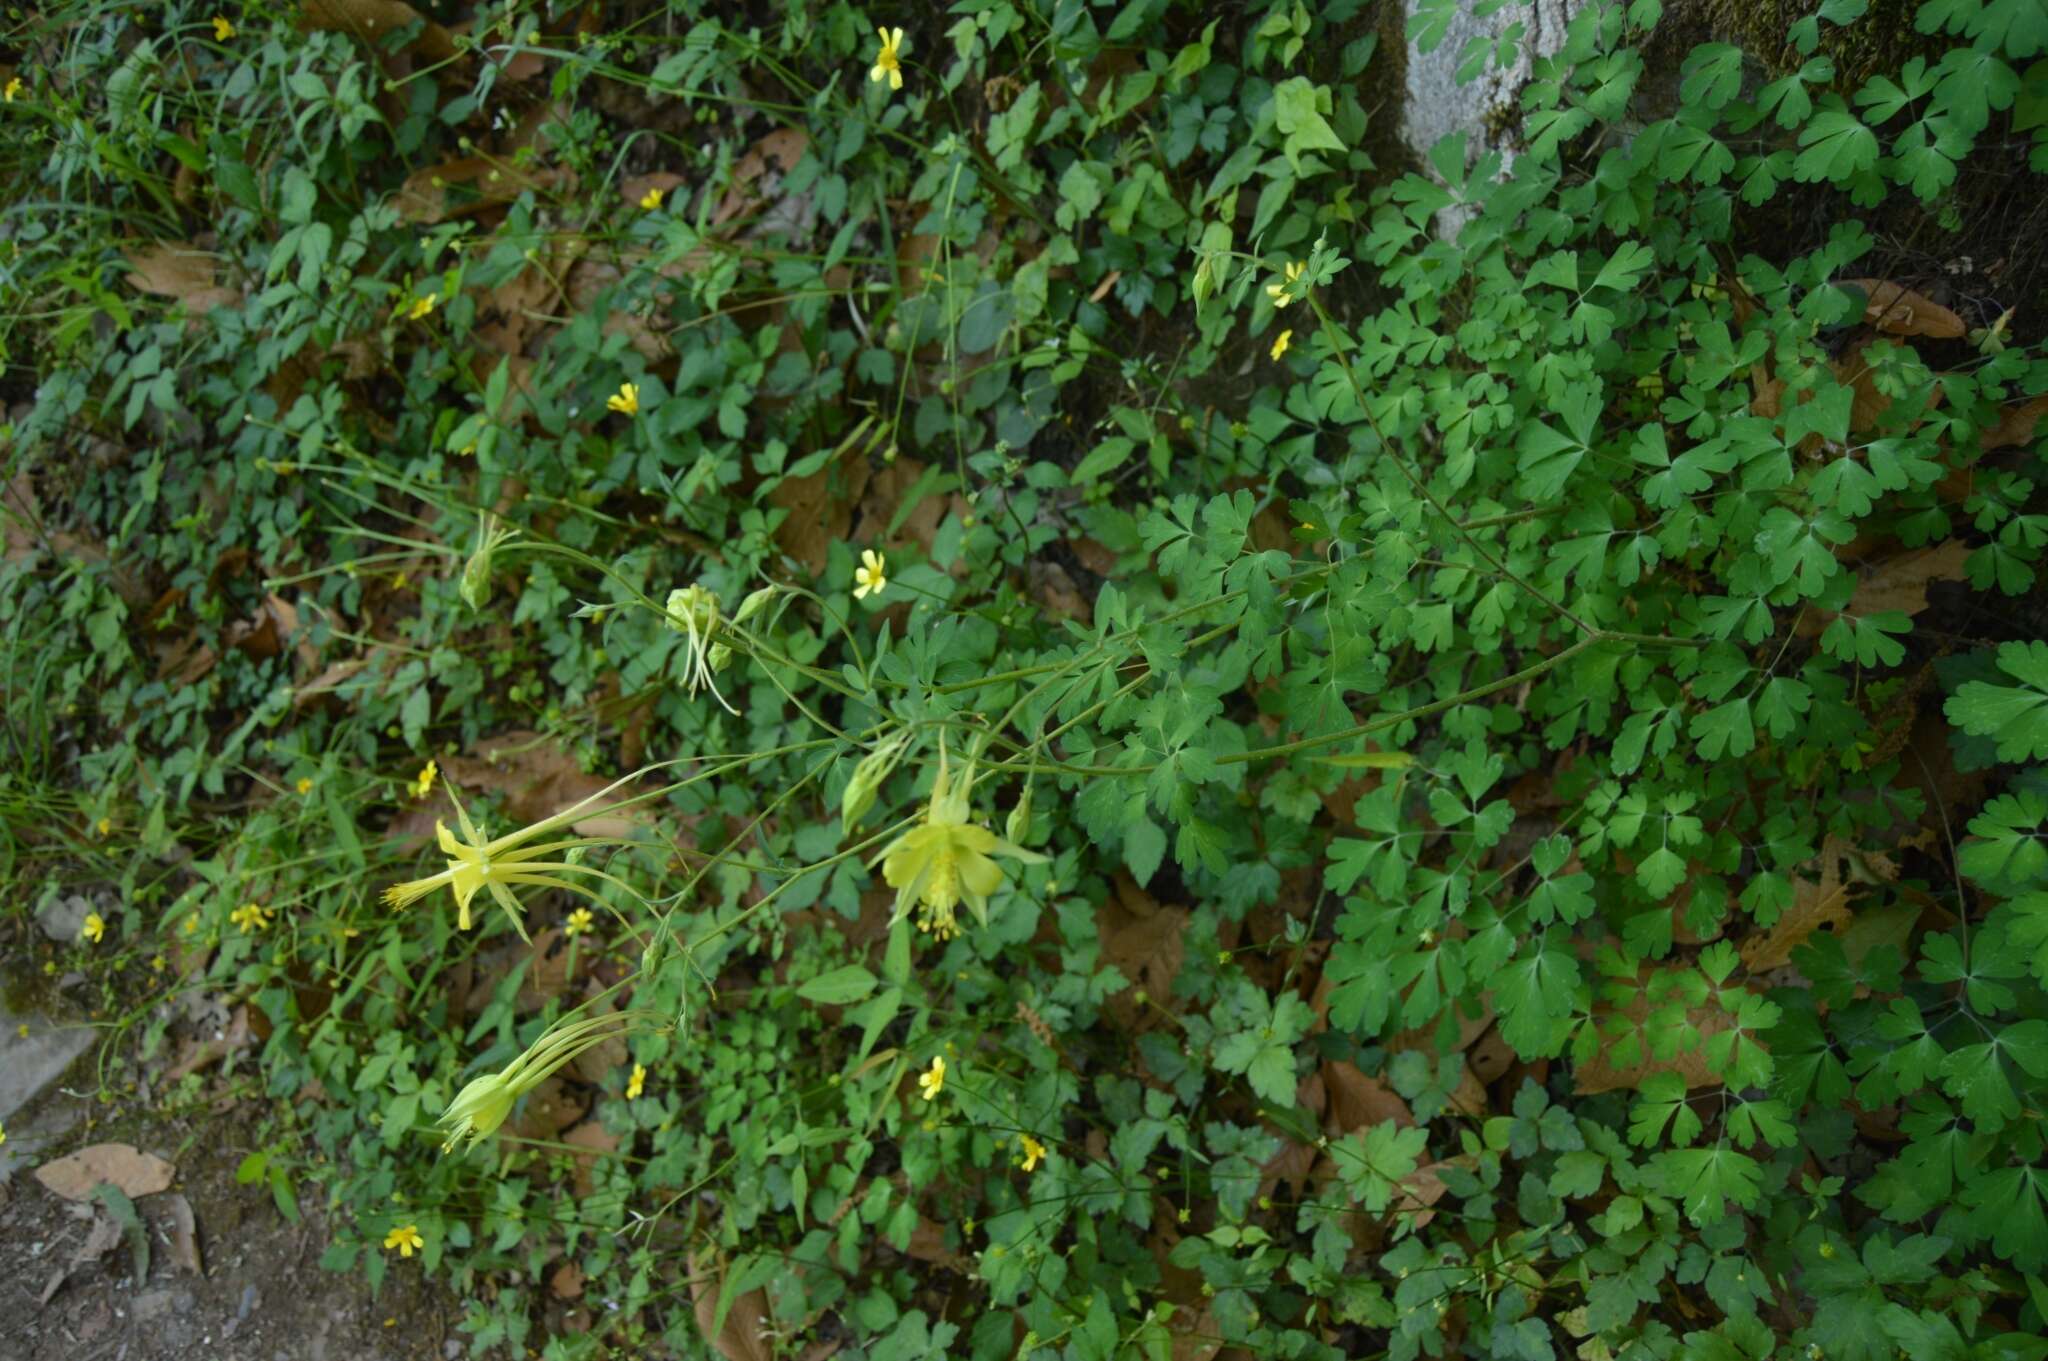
867 781
476 573
1018 827
755 602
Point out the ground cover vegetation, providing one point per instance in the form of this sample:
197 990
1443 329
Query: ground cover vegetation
999 689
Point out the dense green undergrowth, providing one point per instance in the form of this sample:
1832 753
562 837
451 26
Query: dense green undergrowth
1225 743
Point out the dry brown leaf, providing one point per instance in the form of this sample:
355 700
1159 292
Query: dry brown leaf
1196 1334
593 1142
586 281
184 1234
743 1335
181 271
198 1054
1604 1075
2016 424
1421 1190
372 20
470 184
928 1244
550 1109
1147 947
782 148
1358 1101
1815 904
1900 583
1899 311
882 499
123 1166
537 778
820 509
567 1281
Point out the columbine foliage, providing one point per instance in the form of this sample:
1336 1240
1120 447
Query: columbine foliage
1521 807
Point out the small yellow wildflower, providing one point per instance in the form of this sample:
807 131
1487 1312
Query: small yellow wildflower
626 401
871 576
637 1083
1280 343
651 200
106 826
423 783
305 784
421 307
1034 1152
406 1238
13 91
933 1081
579 921
889 61
1283 293
222 29
95 927
158 963
249 917
190 926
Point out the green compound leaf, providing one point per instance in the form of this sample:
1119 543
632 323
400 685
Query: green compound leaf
2015 715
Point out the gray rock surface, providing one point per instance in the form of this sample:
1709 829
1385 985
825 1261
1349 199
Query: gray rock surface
1484 109
31 1062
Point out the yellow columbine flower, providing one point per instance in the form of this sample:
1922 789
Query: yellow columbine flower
933 1081
423 783
1280 343
651 200
1034 1152
1283 293
95 927
222 29
305 784
693 612
249 917
421 307
474 863
626 401
13 91
946 860
406 1239
889 61
871 576
481 1106
637 1083
579 921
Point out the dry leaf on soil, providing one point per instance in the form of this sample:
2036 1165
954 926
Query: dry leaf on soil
182 271
742 1336
1604 1075
371 20
1899 311
124 1166
1814 905
1900 583
1359 1102
184 1234
592 1142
